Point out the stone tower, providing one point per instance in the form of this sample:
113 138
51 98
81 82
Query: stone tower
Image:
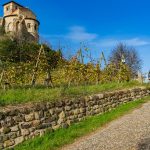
20 20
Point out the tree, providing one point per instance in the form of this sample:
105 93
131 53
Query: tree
7 47
20 60
2 30
130 55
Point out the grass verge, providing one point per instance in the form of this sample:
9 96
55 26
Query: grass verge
24 95
61 137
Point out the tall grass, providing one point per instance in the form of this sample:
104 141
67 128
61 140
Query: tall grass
23 95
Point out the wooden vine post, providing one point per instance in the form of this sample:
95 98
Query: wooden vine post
34 76
4 84
1 77
48 79
98 66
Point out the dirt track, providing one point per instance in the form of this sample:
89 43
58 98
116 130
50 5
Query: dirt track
130 132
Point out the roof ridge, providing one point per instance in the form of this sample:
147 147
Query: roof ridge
12 2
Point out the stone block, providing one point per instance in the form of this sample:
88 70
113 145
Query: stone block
61 120
58 110
32 129
52 111
76 111
100 96
9 121
29 117
43 126
12 135
82 110
13 112
19 140
1 138
5 137
39 115
14 128
9 143
54 123
6 130
80 116
26 125
1 146
62 115
67 108
59 104
19 118
56 127
2 116
25 132
47 114
36 123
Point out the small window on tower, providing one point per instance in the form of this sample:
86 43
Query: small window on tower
35 27
29 25
16 7
7 8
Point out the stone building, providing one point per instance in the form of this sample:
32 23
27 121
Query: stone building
19 20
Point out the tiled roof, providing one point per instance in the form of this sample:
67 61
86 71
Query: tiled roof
13 2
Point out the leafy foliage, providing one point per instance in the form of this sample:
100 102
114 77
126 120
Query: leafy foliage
29 63
2 31
18 61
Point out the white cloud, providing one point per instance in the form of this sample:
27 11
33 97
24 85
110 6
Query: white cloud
75 34
137 42
79 34
111 42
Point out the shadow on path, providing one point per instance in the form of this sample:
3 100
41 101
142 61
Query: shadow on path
144 144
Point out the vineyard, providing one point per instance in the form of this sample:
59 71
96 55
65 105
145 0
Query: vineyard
32 64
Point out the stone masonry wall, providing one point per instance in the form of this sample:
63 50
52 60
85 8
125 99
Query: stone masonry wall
19 123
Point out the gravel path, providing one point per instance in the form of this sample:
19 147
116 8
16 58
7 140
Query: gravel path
130 132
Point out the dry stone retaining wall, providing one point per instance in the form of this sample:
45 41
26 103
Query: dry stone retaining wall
19 123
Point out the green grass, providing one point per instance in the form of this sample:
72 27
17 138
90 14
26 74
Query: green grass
61 137
23 95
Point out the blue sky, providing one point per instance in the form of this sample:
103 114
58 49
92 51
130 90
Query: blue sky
101 24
